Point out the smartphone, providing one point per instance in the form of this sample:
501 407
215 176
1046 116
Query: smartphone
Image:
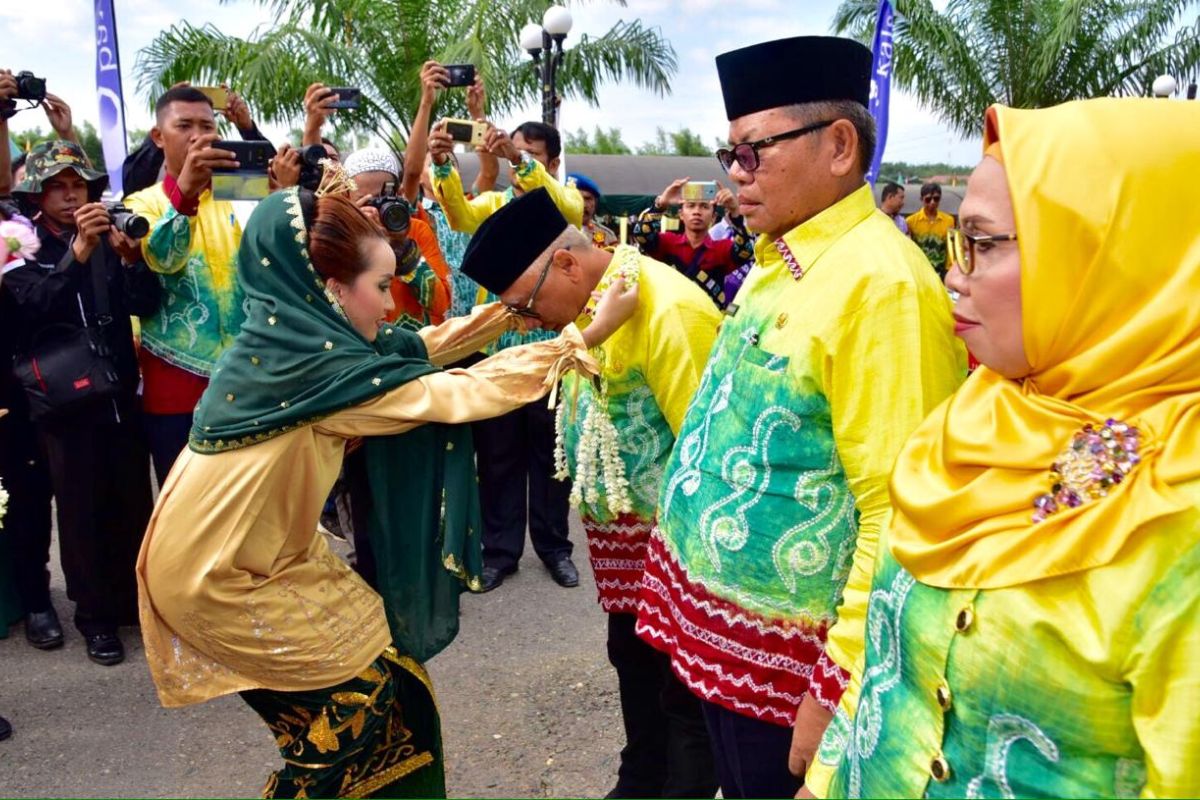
348 97
249 181
461 74
702 191
466 131
252 156
217 94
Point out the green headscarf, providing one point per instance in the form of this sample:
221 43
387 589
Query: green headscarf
298 359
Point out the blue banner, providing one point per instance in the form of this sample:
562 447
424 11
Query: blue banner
881 82
108 92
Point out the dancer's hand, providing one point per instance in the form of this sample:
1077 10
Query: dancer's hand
613 310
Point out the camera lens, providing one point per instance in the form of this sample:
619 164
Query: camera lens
130 224
394 216
313 154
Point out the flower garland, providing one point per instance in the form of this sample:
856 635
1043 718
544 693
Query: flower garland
598 454
3 504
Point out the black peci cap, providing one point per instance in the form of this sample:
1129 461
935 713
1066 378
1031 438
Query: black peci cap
784 72
511 239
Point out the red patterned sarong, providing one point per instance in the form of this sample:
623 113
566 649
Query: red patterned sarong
617 551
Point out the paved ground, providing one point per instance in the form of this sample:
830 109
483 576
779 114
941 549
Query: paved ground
528 701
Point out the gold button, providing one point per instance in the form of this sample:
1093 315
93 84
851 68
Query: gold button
965 618
229 397
284 404
781 321
944 698
328 345
939 768
376 381
255 360
272 320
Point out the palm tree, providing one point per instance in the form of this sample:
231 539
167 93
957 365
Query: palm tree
380 45
1029 53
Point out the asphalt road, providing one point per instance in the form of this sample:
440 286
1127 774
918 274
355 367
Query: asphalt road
528 700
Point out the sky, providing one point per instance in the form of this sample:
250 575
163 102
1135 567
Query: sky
56 42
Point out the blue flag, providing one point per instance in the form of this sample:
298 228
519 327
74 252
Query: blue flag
881 82
108 92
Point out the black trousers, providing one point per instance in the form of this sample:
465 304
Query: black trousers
667 752
27 523
517 487
751 755
101 478
166 436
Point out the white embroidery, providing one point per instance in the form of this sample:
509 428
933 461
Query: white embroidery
804 549
1003 731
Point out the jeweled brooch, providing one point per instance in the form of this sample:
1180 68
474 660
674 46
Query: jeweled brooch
1098 458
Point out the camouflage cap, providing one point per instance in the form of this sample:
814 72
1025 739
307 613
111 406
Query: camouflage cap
50 158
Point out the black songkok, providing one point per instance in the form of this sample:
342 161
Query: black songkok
511 239
803 69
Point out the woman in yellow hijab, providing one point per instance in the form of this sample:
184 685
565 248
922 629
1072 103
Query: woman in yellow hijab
1034 624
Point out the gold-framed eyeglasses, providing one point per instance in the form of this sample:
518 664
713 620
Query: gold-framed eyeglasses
962 247
526 310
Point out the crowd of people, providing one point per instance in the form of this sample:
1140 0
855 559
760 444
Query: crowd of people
834 561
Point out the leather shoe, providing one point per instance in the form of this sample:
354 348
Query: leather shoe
494 576
5 729
105 648
564 573
43 630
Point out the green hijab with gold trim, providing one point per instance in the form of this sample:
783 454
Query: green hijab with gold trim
296 360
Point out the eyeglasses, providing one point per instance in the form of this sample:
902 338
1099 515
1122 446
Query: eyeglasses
962 247
527 309
930 198
746 153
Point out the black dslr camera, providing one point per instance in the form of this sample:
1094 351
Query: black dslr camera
310 166
29 87
394 212
127 222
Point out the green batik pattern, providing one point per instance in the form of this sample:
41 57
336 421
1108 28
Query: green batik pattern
755 502
934 248
186 331
1017 726
644 439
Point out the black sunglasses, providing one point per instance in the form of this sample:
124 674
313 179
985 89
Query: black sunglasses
746 153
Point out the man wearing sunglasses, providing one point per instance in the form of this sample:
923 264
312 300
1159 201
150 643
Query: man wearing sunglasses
839 343
929 227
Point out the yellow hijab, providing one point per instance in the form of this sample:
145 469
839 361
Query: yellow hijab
1104 194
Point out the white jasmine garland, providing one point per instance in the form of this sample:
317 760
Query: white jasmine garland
598 461
3 504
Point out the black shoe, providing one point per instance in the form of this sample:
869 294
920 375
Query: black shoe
105 648
494 576
564 573
43 629
5 729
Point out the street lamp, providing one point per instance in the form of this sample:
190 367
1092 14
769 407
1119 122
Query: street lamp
547 38
1163 86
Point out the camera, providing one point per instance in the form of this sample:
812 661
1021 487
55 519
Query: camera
394 212
466 131
699 191
127 222
30 87
310 166
460 75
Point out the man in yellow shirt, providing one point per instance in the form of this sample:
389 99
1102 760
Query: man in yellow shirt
615 442
840 342
929 228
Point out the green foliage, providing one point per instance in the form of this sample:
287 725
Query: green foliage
904 171
675 143
380 45
605 143
89 138
1029 53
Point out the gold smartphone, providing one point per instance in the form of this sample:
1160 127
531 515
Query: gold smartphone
217 94
466 131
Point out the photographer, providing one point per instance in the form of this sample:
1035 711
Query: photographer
318 106
144 166
58 113
422 293
694 252
72 310
192 245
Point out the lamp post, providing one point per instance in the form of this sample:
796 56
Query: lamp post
544 43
